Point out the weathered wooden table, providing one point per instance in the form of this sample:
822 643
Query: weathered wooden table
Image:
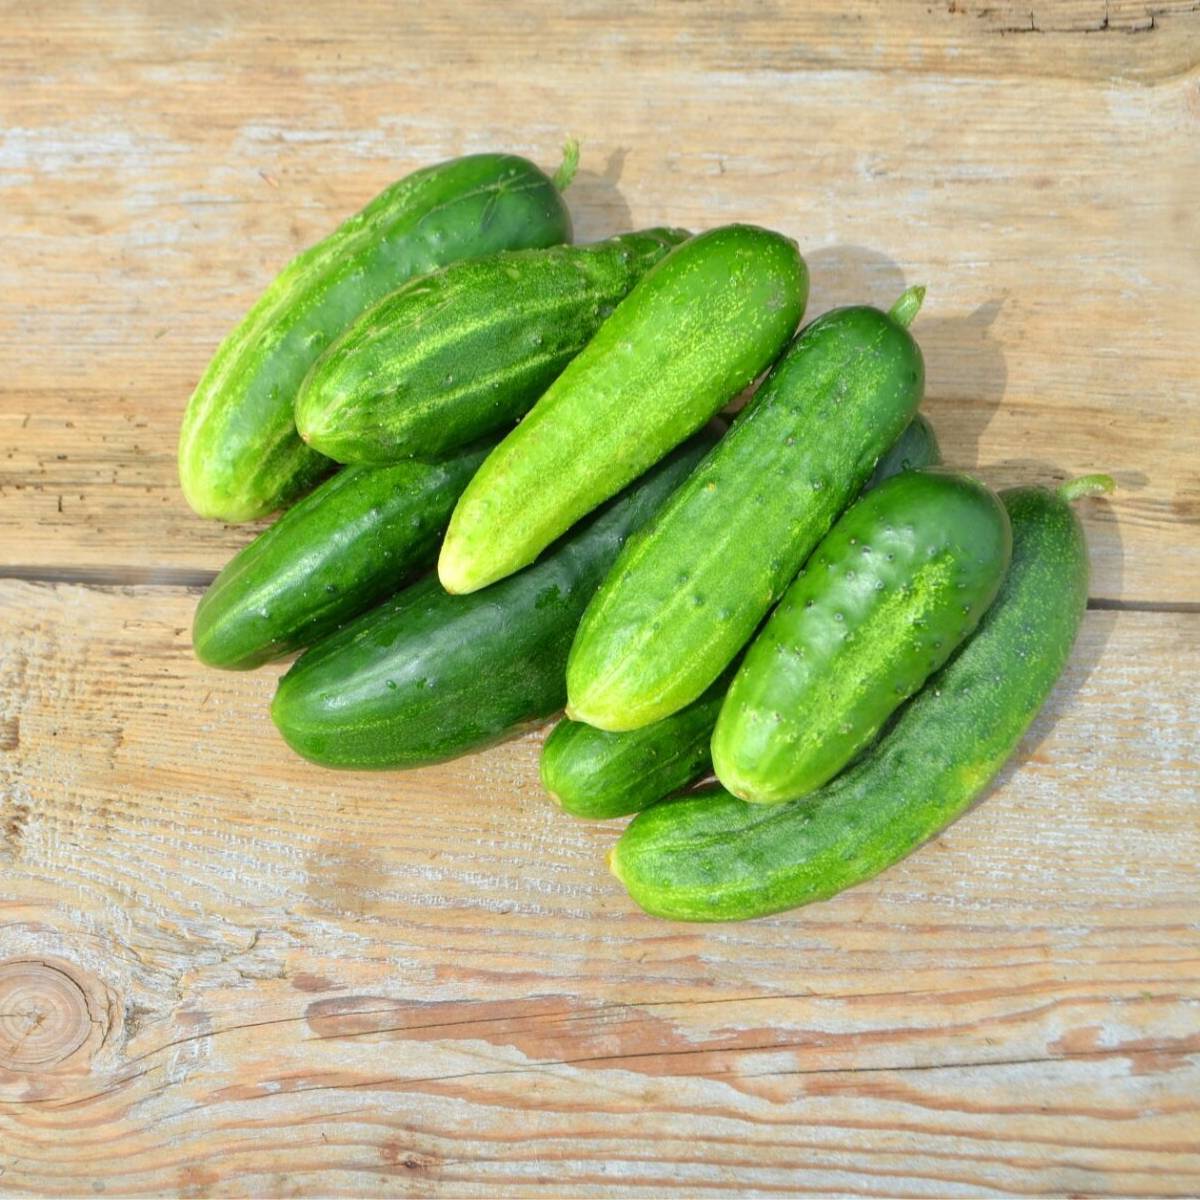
223 971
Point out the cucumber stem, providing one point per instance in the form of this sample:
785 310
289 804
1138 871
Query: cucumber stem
907 307
568 166
1086 485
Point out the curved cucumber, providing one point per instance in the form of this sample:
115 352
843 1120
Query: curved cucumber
695 331
897 584
596 774
428 676
239 454
712 858
342 549
684 598
466 350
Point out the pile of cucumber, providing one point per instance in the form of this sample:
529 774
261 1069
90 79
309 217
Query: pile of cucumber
799 600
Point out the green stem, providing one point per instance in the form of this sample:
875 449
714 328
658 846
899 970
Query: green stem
569 164
1086 485
907 307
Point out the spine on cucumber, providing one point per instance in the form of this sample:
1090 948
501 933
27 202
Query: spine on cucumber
684 598
466 350
428 676
595 774
346 546
240 456
898 583
712 858
696 330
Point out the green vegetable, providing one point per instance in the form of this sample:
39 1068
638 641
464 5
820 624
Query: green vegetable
696 330
342 549
239 454
712 858
596 774
897 584
684 598
466 350
915 448
428 676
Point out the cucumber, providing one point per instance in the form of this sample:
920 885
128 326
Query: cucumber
239 454
696 330
897 584
712 858
466 350
595 774
428 676
343 548
688 594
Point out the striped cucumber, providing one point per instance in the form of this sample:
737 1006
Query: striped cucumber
688 594
428 676
466 350
709 857
596 774
239 454
695 331
890 592
347 545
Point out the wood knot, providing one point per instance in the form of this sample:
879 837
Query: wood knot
44 1015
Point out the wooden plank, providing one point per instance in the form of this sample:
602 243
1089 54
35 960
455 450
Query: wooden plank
259 977
156 169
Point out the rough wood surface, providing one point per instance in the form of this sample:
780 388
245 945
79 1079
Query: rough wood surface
261 976
223 971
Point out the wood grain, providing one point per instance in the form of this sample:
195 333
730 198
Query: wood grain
157 169
427 983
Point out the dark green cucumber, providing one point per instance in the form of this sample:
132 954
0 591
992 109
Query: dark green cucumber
686 596
712 858
596 774
695 331
347 545
898 583
239 454
466 350
428 676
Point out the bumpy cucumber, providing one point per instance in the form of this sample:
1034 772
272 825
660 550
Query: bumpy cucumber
712 858
596 774
686 596
239 454
696 329
897 584
428 676
466 350
347 545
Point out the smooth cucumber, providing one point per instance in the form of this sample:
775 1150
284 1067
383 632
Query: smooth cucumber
347 545
898 583
696 330
596 774
239 454
466 350
711 857
427 676
688 594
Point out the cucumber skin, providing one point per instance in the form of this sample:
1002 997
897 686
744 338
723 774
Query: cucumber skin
693 332
465 351
683 599
239 454
898 583
596 775
713 858
428 676
342 549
